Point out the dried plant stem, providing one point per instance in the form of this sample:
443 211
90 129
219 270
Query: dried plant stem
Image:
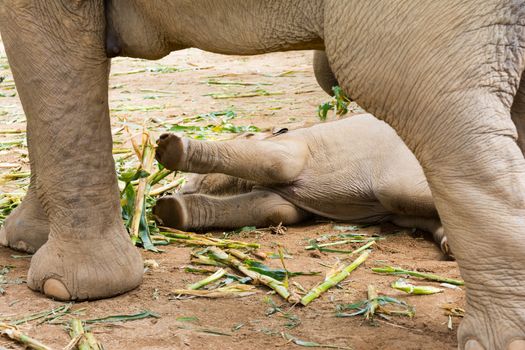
22 338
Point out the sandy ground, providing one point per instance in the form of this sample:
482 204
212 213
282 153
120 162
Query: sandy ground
165 92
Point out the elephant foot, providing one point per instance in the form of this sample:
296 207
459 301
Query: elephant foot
171 211
27 227
170 151
78 269
441 239
495 319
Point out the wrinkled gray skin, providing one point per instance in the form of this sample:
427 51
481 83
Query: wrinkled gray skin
444 74
285 178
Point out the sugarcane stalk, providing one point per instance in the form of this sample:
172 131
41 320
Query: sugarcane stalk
154 178
429 276
200 240
148 155
235 290
158 191
92 341
334 279
217 275
372 300
15 334
274 284
77 330
409 288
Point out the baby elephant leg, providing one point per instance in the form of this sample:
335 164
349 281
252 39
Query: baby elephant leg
265 162
201 212
426 224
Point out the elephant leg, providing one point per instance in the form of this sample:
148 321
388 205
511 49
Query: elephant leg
430 225
216 184
265 162
27 227
323 73
56 51
259 208
518 113
476 172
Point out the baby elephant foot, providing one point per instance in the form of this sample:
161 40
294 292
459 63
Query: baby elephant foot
170 151
27 227
171 211
87 269
441 239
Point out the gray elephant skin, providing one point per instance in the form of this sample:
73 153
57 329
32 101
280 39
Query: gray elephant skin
444 74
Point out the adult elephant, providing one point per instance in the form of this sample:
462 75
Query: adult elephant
445 74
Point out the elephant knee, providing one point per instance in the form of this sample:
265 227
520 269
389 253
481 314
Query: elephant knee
279 211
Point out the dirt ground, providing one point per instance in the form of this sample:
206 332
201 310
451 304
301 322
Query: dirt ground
161 93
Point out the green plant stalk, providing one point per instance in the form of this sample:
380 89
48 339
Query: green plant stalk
77 330
200 240
429 276
277 286
217 275
148 155
93 342
13 333
158 191
416 290
334 279
154 178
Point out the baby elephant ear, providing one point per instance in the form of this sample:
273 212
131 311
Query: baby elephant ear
279 131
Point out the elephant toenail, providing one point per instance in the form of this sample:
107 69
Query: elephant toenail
517 345
473 345
55 289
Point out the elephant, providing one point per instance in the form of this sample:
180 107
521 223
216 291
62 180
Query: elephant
445 75
289 176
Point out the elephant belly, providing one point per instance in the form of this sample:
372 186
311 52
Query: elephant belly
335 201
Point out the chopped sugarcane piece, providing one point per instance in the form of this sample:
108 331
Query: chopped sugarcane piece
349 252
148 156
77 333
168 187
217 275
333 279
225 258
15 334
198 270
429 276
236 290
409 288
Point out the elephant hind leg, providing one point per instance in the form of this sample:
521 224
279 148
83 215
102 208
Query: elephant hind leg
431 225
201 212
27 227
266 162
323 72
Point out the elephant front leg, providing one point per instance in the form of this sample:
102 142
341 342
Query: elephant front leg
27 227
476 172
56 51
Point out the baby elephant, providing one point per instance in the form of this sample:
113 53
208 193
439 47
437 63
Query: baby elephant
355 169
